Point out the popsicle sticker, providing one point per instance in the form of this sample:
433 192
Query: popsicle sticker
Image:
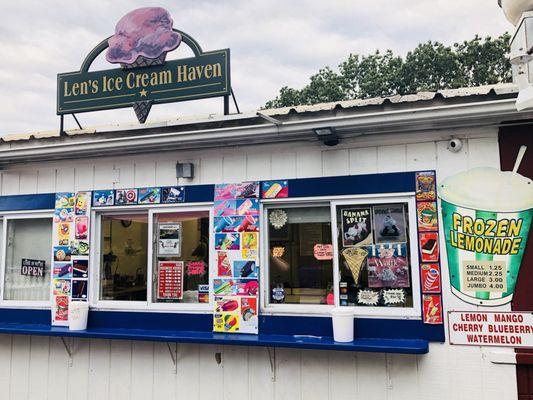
432 309
430 278
227 241
247 207
150 195
275 189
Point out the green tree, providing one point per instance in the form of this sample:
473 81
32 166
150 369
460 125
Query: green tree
430 66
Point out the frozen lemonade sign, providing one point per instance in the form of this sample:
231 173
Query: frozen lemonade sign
487 215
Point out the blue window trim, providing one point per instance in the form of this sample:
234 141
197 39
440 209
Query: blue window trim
156 326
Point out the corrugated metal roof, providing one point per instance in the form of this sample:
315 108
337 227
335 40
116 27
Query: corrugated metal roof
497 90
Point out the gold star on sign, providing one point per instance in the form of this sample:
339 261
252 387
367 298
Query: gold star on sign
143 93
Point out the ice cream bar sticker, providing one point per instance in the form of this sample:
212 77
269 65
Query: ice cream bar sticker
429 246
275 189
323 251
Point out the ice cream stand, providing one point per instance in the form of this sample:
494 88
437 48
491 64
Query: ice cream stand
211 252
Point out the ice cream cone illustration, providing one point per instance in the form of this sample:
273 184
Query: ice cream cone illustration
142 38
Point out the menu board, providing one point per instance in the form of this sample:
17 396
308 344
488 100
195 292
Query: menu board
170 280
235 284
70 253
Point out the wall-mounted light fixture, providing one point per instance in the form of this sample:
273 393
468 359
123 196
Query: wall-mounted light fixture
327 135
520 14
184 170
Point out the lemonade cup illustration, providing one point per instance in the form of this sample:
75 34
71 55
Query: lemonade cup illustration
486 218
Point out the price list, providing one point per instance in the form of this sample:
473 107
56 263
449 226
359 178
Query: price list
170 280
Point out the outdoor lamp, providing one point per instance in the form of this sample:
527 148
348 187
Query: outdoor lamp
327 135
520 14
184 170
513 9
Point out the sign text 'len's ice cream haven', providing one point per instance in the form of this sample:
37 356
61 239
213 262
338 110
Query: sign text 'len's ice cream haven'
512 329
142 39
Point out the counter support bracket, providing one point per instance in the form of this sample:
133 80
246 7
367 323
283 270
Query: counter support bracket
272 357
388 367
174 356
68 349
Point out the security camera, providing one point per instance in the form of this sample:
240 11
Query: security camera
454 145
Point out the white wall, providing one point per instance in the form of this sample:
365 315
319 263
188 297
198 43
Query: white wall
38 367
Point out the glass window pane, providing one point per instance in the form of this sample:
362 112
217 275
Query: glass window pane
181 257
298 273
29 239
124 254
374 258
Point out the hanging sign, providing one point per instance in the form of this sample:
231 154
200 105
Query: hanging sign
506 329
32 267
142 39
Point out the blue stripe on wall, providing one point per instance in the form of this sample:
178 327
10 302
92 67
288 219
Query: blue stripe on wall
397 182
25 202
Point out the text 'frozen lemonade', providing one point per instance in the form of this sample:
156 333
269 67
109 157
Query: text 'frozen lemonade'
487 215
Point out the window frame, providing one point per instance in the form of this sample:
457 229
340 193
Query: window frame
413 312
23 304
149 305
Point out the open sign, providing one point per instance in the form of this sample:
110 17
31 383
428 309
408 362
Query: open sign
32 267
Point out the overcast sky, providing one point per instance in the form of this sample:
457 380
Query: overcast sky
273 43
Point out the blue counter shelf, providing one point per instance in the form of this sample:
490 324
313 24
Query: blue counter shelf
376 345
372 335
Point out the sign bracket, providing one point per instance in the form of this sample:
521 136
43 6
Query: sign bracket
235 101
62 124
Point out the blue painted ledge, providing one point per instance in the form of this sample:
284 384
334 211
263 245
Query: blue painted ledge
375 345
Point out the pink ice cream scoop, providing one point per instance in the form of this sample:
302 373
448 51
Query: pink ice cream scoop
142 32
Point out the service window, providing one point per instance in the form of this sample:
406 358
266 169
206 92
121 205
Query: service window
300 269
374 255
180 253
28 256
124 256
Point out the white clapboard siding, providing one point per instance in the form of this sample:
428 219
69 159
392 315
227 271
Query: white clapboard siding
39 367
